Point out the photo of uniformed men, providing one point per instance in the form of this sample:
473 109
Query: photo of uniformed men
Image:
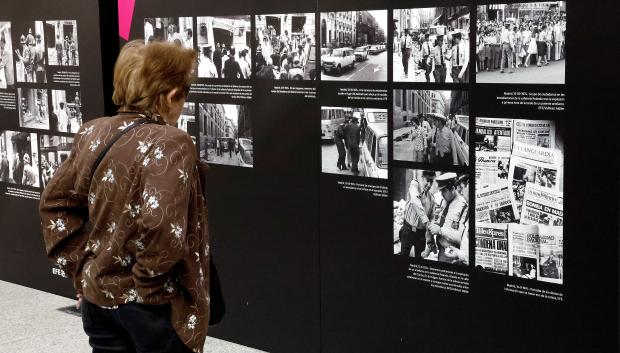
62 49
431 220
30 58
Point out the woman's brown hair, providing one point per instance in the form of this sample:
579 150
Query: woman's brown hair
145 74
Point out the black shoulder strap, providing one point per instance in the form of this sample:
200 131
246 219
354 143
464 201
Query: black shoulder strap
112 141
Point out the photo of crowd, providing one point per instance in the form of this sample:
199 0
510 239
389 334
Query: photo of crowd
62 48
7 77
224 45
30 58
33 108
18 158
521 43
431 218
226 134
171 29
431 44
431 126
354 46
66 114
285 47
354 141
54 151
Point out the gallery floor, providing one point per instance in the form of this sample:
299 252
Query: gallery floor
32 323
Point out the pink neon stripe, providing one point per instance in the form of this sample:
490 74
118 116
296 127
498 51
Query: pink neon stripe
125 14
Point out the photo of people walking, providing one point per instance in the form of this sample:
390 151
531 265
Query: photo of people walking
30 58
62 49
226 134
354 46
224 45
431 126
431 218
354 141
170 29
286 47
521 43
431 44
19 160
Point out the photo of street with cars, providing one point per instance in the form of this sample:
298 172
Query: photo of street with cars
354 141
225 134
354 45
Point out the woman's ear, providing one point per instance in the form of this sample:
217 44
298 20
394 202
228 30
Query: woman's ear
171 95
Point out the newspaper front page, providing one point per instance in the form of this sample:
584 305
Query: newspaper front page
492 167
492 247
494 134
551 258
534 132
542 205
493 204
523 250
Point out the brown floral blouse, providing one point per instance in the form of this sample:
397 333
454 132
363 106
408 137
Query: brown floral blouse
147 240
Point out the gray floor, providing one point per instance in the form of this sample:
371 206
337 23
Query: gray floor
31 323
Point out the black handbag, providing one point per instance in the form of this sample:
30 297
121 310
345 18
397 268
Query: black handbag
216 305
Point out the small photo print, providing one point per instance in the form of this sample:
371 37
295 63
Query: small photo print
354 141
354 45
7 74
224 44
521 43
30 58
431 219
62 47
178 30
19 160
54 151
188 115
431 126
66 114
286 47
226 134
431 44
33 108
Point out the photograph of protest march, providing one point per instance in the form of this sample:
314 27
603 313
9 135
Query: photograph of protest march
354 45
18 158
171 29
286 47
225 47
521 43
7 75
226 134
431 218
33 108
519 198
431 126
62 43
431 44
54 150
30 57
354 141
66 113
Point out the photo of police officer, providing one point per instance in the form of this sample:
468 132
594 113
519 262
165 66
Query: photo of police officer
30 58
431 220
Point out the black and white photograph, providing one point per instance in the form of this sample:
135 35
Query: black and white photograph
66 113
19 159
54 151
7 75
431 219
431 44
188 116
286 46
225 47
62 43
431 126
33 108
30 58
354 46
170 29
354 141
521 43
226 134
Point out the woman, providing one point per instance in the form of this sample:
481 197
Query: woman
541 45
532 48
140 268
417 136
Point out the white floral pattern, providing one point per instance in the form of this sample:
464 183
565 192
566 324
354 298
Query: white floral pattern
143 146
177 230
61 262
94 144
111 227
146 161
91 198
109 176
87 131
159 153
192 321
183 176
58 226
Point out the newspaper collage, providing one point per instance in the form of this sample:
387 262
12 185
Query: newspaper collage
519 198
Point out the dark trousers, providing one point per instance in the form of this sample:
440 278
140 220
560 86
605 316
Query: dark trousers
131 328
410 237
406 55
427 69
440 73
342 154
355 157
455 74
40 76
